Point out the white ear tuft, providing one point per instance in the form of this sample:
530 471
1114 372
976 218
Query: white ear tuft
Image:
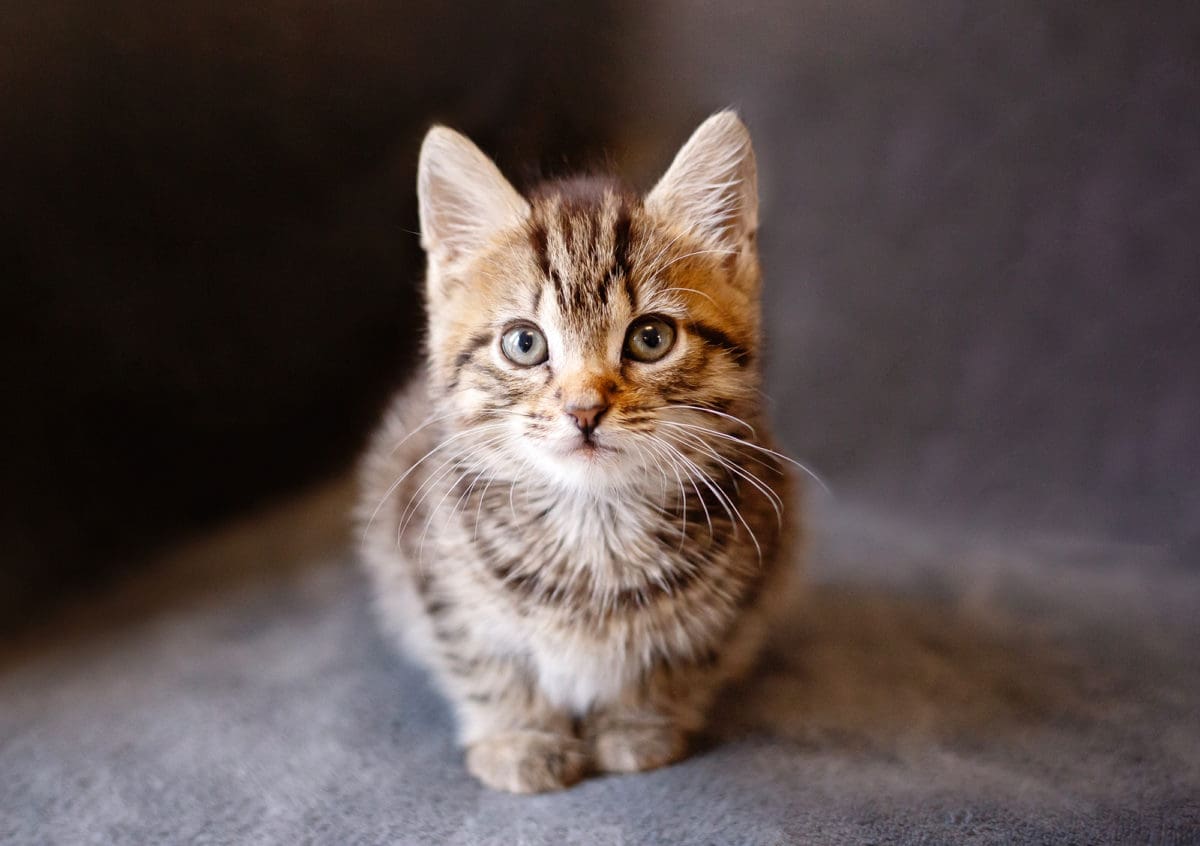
712 186
463 197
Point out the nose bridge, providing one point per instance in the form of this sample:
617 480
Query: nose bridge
585 388
584 374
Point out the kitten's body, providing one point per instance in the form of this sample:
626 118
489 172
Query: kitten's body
581 583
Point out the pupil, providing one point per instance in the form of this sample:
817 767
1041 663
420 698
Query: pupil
650 336
525 341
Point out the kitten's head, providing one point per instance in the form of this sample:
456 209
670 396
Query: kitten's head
582 330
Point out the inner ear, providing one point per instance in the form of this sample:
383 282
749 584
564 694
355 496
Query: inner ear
712 185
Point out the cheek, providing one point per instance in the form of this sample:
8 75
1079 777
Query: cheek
471 400
636 396
487 390
652 386
538 404
539 417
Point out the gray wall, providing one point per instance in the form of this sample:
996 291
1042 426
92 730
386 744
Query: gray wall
982 240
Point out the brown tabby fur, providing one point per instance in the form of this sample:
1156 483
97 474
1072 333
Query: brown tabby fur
580 606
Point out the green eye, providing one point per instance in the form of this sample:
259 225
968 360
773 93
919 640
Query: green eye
524 345
649 339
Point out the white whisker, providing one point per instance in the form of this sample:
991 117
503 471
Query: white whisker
682 494
399 481
754 446
758 484
678 259
690 291
480 461
436 476
427 422
730 417
730 507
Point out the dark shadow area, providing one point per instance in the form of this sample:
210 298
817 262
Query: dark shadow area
207 231
261 553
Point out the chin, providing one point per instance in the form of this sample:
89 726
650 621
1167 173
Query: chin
583 467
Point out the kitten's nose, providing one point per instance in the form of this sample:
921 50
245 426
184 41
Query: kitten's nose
586 418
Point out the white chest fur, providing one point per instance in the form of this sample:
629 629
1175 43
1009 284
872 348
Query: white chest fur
577 666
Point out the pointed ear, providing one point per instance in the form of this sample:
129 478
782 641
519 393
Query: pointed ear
464 199
712 186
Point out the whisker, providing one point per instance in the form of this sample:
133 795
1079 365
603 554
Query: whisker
480 461
436 476
678 259
479 508
731 508
774 498
683 497
691 291
740 449
512 487
654 266
667 450
754 446
730 417
426 423
396 484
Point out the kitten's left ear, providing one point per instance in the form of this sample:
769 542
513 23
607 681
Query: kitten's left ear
712 186
464 199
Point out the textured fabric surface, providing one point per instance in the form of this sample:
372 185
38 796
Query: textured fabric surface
932 686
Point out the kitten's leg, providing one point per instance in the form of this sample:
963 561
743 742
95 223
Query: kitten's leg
516 740
648 725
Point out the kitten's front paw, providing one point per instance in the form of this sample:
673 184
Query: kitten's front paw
633 747
527 761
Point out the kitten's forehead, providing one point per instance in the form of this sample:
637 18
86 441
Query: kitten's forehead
582 234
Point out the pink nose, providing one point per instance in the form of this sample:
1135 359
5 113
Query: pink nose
586 418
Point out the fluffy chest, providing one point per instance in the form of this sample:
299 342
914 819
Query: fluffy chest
592 592
575 557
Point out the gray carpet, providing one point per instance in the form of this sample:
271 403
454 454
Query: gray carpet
934 686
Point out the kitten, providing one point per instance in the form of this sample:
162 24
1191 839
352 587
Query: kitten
576 519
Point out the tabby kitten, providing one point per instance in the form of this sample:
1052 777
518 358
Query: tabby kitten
576 519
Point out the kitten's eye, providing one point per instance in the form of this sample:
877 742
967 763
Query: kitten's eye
649 339
524 345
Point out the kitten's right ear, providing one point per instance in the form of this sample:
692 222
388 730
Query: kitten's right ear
464 199
712 186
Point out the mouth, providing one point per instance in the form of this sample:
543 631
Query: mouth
588 448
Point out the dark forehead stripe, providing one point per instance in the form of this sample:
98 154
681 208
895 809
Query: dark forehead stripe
620 262
537 242
579 213
589 214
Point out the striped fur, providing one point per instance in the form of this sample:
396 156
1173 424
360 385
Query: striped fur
581 598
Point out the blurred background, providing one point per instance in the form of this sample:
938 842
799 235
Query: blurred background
979 233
